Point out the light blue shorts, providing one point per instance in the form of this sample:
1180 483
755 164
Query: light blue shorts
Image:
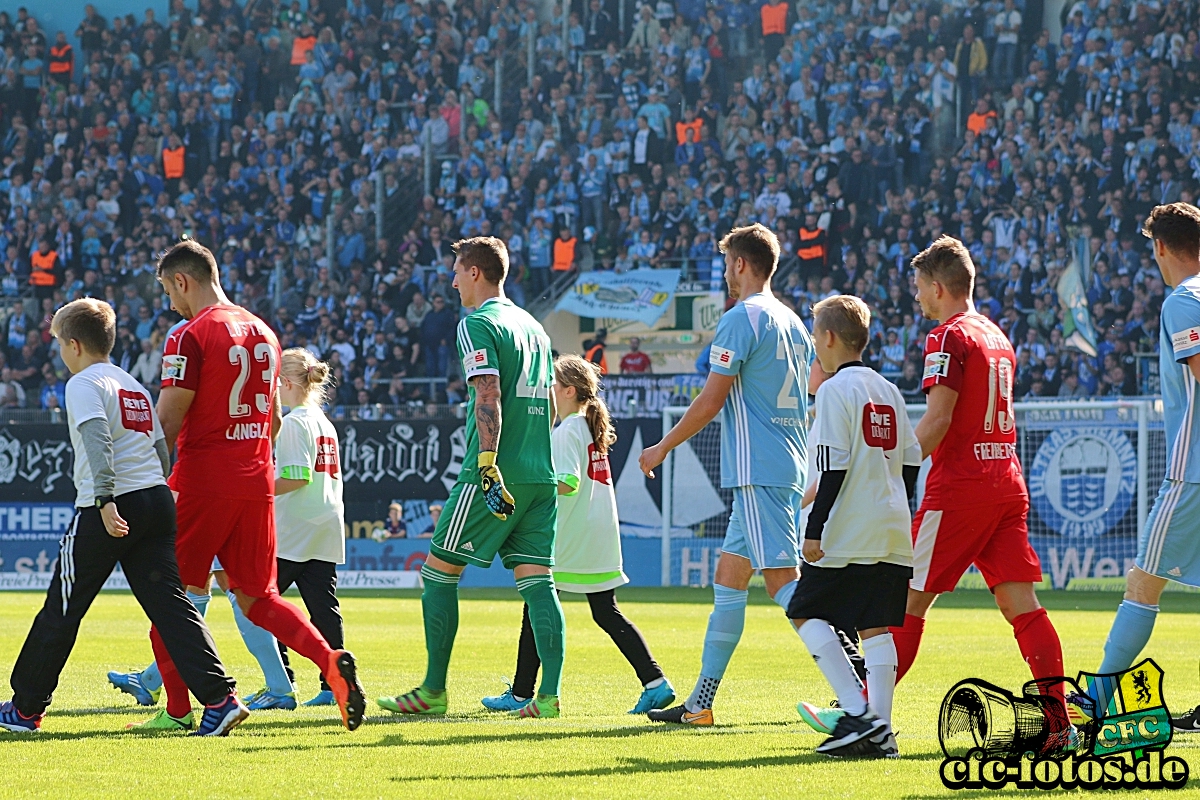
216 567
764 526
1169 545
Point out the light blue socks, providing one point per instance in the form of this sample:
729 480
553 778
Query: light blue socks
783 598
725 625
151 678
1127 638
263 647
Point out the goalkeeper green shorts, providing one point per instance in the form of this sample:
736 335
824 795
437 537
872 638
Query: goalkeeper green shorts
469 534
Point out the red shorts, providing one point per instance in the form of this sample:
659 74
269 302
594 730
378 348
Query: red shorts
241 533
994 538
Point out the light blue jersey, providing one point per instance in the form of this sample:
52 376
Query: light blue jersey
1180 340
764 441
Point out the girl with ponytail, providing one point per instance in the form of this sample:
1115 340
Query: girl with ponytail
309 515
587 546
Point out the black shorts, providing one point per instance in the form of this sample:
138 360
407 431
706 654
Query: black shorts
854 597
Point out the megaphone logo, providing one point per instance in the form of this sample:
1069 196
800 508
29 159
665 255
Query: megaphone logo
1112 733
978 715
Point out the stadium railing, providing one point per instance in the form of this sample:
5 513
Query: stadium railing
1093 468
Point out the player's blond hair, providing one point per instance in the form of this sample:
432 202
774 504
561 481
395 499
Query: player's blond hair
948 262
90 322
847 317
584 377
308 372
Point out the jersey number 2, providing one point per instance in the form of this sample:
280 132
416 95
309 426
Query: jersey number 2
784 399
239 356
1000 405
534 382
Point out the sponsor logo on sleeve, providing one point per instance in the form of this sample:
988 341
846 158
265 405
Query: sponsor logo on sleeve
879 426
598 468
475 359
937 365
327 456
174 367
135 412
720 357
1186 340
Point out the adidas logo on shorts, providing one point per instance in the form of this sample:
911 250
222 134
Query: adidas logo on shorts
468 547
1176 571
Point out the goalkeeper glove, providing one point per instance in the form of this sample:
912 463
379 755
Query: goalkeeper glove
498 500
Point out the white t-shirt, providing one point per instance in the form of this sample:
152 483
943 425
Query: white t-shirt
865 430
1008 19
310 522
105 391
588 537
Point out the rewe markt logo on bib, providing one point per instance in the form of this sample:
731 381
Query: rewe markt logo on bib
1097 731
1083 480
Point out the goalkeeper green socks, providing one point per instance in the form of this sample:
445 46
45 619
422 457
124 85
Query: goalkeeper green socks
439 606
549 628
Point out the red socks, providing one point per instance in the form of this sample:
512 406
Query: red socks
179 703
908 641
273 613
1040 646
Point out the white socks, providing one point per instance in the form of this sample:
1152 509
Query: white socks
826 650
880 654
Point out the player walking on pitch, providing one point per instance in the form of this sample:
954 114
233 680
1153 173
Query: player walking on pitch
975 503
1167 545
856 542
759 371
507 504
124 513
219 404
309 513
587 546
146 686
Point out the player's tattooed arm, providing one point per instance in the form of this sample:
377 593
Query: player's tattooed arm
487 410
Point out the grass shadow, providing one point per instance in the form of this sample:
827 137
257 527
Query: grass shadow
87 712
625 766
508 733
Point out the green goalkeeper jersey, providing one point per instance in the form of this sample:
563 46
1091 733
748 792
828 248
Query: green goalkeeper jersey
502 339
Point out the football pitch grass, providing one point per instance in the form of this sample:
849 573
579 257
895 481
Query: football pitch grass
759 747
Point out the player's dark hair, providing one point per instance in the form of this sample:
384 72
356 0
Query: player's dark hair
487 253
847 317
1177 226
757 244
948 262
585 378
192 259
90 322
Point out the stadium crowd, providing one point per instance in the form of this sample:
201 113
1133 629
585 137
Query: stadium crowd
858 131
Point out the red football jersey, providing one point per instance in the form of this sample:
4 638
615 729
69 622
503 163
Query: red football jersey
976 463
230 359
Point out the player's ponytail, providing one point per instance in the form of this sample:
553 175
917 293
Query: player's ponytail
585 378
308 372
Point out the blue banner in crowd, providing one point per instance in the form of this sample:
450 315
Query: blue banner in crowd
640 294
